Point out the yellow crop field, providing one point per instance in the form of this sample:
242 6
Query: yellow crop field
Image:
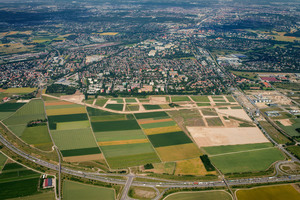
278 192
178 152
147 121
152 131
19 90
109 33
123 142
191 167
66 111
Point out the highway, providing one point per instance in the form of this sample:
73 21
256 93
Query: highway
130 181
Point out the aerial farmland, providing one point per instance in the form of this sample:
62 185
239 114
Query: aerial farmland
170 137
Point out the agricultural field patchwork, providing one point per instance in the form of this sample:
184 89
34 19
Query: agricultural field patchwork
20 124
122 141
166 137
77 191
7 109
70 129
277 192
18 181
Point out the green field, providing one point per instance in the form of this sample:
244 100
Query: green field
98 112
168 139
235 148
101 102
151 115
222 104
294 150
115 125
31 111
230 99
78 191
249 161
200 98
209 112
130 100
121 162
15 172
278 192
133 107
41 196
158 124
291 130
119 135
38 136
274 133
14 189
80 152
209 195
118 100
118 107
151 107
6 109
63 106
115 117
53 120
72 125
17 129
203 104
214 121
180 98
74 139
2 161
23 90
125 155
236 107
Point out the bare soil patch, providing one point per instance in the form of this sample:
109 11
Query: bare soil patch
83 158
205 137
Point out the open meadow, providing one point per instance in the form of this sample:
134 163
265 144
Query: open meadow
78 191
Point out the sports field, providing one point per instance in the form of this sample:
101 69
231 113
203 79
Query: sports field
208 195
23 90
78 191
278 192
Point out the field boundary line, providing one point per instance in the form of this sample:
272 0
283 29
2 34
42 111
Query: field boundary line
242 151
198 192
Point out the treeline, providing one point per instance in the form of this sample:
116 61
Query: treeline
38 122
207 164
58 88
